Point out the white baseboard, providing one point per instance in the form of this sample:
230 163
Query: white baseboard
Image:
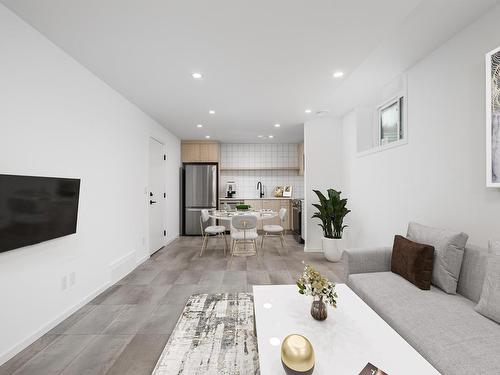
141 260
122 266
171 239
4 357
312 250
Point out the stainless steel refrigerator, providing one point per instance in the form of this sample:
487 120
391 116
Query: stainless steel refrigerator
200 192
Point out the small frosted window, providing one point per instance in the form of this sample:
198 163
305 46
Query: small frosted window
391 122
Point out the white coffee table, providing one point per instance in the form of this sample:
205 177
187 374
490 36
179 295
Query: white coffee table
351 336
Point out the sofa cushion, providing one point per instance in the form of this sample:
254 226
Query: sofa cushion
489 304
443 328
449 249
413 261
470 283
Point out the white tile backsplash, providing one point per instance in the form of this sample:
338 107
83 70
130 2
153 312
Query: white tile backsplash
259 155
237 155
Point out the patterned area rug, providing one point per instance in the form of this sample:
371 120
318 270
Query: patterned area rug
214 335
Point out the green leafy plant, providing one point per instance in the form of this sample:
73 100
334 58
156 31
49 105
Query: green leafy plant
331 212
242 207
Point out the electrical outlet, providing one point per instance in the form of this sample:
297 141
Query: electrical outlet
72 278
64 282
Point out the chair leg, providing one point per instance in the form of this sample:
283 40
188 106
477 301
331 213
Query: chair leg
281 239
233 244
203 244
225 243
284 241
255 246
262 242
284 238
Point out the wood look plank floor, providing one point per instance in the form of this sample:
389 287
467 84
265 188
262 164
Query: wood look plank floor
124 329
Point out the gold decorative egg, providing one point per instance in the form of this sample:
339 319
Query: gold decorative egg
297 355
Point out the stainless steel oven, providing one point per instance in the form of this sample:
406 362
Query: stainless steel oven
297 220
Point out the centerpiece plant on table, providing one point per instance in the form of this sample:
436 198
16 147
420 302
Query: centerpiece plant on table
312 283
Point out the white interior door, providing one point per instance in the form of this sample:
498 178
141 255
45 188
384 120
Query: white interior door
156 196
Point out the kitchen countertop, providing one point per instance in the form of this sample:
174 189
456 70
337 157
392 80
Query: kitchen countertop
256 198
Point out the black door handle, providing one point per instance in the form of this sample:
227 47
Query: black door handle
152 202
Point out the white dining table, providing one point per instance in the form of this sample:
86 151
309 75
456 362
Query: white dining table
228 215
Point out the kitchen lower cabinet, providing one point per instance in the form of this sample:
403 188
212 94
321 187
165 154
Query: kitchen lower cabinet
287 225
255 204
271 205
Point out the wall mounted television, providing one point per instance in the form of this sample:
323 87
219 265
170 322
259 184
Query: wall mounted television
36 209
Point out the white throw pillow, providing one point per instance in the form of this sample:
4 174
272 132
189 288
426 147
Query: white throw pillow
448 253
489 304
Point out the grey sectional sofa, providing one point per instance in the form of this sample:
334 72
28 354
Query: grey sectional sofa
445 329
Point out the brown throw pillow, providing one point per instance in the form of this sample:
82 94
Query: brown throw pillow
413 261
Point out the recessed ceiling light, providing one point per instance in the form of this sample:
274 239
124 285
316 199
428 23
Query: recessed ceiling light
277 125
322 112
197 75
207 136
267 305
270 136
338 74
260 136
308 111
212 112
199 126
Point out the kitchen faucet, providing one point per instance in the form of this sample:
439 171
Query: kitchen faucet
260 187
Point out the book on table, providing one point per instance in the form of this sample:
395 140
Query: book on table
371 369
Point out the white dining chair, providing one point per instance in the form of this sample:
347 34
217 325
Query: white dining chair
244 230
211 230
274 229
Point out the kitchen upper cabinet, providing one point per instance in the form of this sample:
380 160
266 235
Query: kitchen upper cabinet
199 151
190 152
209 152
302 161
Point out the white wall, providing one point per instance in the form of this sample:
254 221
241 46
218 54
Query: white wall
241 155
323 157
439 177
57 119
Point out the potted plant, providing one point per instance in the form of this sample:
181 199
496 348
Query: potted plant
242 207
312 283
331 212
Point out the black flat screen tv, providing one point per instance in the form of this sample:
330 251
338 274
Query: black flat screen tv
36 209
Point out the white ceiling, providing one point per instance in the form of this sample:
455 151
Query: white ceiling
264 62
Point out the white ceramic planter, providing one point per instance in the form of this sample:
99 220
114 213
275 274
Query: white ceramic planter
333 248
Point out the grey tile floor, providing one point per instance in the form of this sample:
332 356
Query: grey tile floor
124 329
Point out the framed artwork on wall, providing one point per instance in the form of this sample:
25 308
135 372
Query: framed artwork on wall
287 191
493 118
